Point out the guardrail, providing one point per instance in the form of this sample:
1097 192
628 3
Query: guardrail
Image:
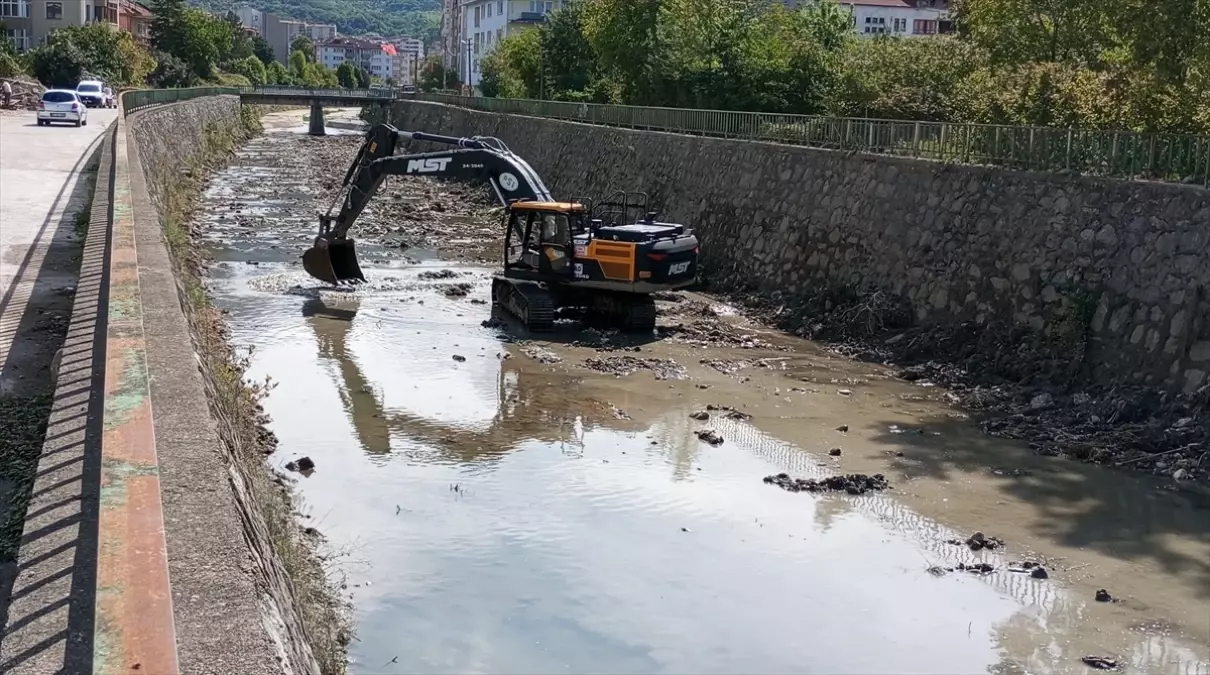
141 98
1116 154
378 94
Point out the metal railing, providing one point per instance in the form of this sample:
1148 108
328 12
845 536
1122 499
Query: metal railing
141 98
306 92
1117 154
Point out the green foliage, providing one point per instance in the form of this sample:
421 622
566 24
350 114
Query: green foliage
431 75
199 39
9 66
363 78
171 71
93 49
1130 64
417 18
251 68
346 75
276 73
309 74
303 44
513 69
263 50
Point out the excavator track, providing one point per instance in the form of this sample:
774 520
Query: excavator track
629 312
526 301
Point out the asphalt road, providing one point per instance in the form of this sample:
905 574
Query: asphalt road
45 178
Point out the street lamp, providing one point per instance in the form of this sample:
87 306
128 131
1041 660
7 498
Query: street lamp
469 86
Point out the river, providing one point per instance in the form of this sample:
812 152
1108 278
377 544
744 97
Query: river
504 505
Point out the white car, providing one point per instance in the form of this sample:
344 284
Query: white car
91 93
62 105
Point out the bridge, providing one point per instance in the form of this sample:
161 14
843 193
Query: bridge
317 99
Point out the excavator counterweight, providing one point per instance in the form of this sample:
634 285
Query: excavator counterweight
557 253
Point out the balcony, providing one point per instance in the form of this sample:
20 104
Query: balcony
529 17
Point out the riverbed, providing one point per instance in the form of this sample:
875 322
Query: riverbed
498 502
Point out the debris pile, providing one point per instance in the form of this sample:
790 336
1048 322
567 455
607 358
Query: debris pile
26 92
664 369
978 542
853 483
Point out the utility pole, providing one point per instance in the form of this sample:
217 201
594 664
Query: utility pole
469 87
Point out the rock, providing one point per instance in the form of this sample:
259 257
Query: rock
854 483
834 452
845 392
459 358
710 436
1039 572
302 465
1100 662
978 542
700 415
844 428
1180 474
1041 401
1103 596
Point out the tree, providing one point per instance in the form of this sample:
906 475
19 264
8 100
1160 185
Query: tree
363 78
346 75
263 50
303 44
569 60
58 63
92 49
196 37
513 68
276 73
251 68
433 72
171 71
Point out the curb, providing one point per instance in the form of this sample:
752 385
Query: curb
134 619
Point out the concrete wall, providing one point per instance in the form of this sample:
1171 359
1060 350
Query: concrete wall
962 243
235 607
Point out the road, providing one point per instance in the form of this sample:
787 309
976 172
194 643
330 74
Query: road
44 183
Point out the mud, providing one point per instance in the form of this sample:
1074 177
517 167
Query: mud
1021 386
576 460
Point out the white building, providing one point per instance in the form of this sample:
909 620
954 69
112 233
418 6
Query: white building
252 18
486 22
895 17
379 59
411 46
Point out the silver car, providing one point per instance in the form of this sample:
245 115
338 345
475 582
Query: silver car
62 105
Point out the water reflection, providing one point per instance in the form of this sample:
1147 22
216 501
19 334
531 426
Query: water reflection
528 407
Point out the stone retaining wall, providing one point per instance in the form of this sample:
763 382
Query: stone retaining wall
959 242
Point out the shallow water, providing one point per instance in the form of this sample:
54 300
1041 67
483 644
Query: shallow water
491 513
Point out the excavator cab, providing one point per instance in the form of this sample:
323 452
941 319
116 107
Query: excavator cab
538 236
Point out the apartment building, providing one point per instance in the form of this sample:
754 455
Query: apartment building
379 59
894 17
28 22
449 46
486 22
280 32
136 20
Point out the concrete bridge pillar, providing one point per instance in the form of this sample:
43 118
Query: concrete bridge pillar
317 120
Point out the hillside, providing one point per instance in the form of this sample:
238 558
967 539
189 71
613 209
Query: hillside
391 18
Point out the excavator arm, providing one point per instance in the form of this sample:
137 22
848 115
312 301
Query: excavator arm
333 258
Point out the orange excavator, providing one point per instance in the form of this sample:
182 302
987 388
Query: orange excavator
606 257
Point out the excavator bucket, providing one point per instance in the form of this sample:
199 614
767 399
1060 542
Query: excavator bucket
335 262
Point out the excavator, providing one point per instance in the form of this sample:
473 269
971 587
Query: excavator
606 257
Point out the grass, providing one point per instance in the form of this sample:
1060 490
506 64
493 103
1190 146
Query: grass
24 419
235 405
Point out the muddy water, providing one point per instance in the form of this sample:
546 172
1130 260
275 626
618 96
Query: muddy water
494 505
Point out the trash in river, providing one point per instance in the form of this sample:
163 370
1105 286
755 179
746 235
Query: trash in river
710 436
853 483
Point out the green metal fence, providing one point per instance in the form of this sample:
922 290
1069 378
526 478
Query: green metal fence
142 98
1183 158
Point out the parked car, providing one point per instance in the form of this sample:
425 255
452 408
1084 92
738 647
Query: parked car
91 93
111 99
62 105
409 89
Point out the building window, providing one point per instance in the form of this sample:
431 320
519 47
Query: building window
20 39
499 7
924 27
489 10
499 34
478 11
54 10
14 8
900 25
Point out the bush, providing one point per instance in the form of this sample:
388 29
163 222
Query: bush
9 67
171 72
250 68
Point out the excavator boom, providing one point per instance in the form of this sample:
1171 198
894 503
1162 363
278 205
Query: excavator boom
333 257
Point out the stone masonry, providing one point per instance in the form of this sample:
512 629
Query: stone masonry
960 242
